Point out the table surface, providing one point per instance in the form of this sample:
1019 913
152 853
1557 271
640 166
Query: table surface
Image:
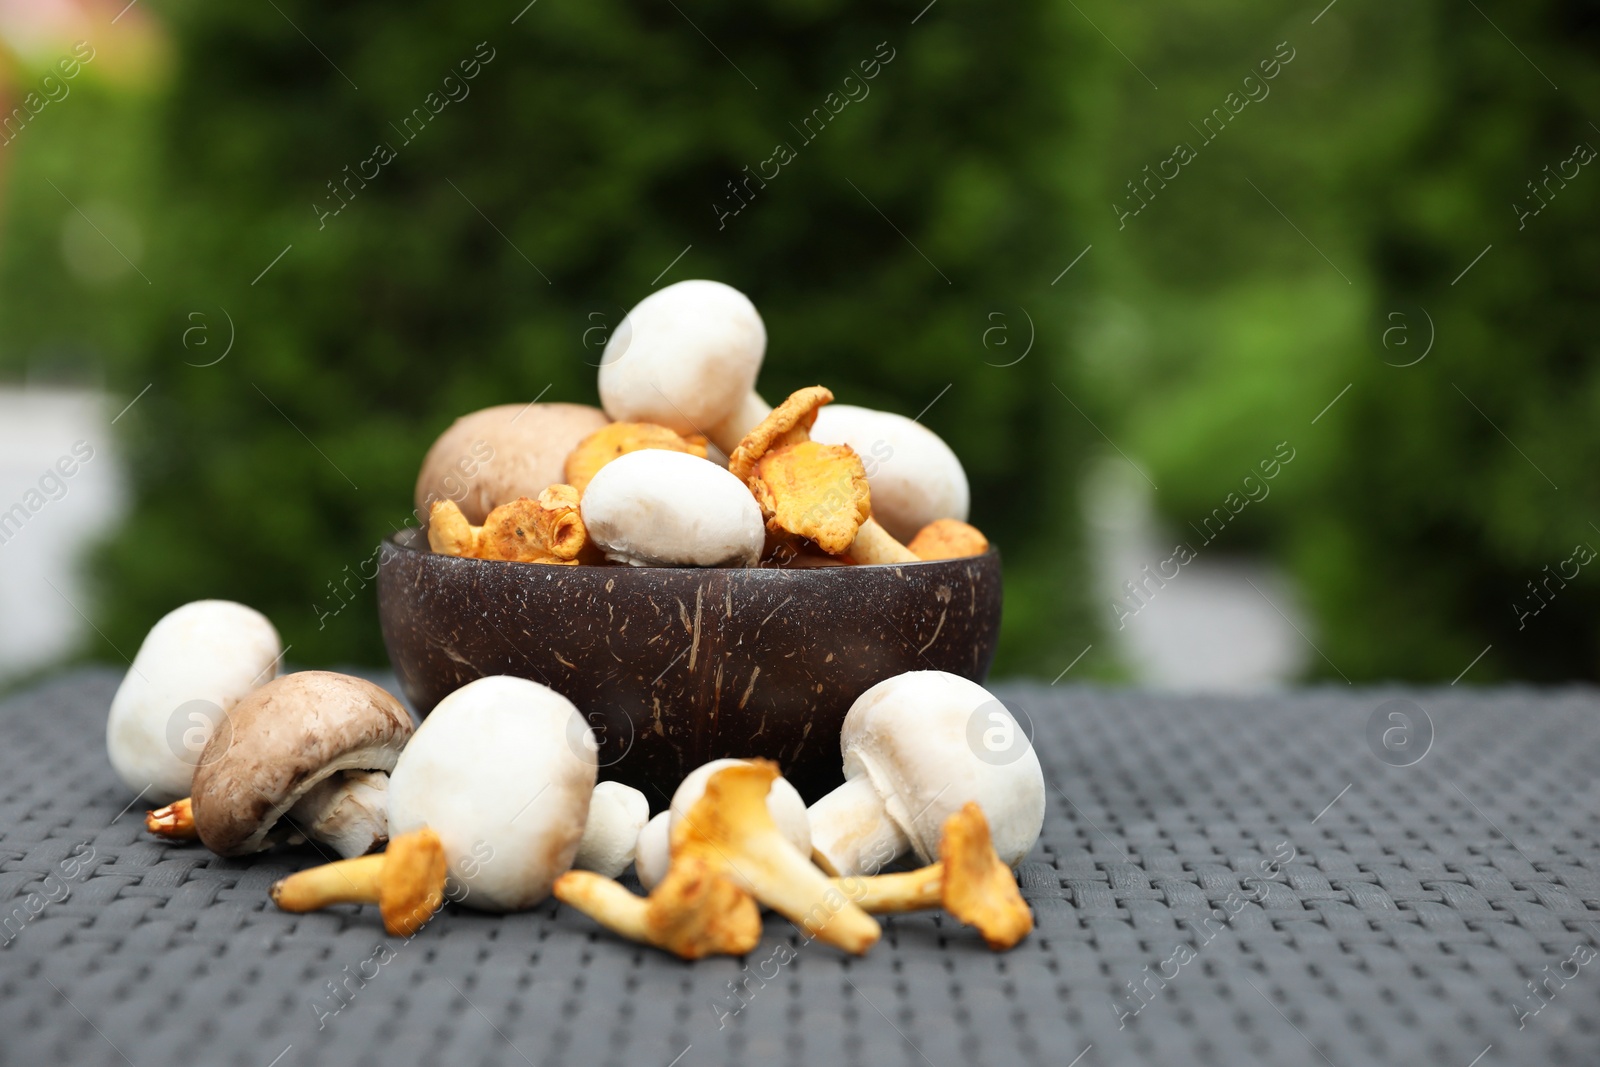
1219 881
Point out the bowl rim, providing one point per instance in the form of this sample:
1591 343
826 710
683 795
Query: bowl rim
414 534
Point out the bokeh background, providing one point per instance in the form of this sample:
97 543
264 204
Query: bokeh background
1291 305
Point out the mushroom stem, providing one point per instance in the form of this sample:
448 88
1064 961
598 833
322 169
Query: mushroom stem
349 811
969 881
889 894
727 434
175 822
354 881
852 832
873 544
406 882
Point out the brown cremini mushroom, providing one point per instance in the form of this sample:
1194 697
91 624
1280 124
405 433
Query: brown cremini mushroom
970 882
496 455
620 438
948 539
809 489
547 530
693 912
305 756
406 881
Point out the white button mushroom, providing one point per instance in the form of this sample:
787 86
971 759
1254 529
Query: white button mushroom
653 854
686 357
502 770
194 665
617 815
917 747
658 508
915 477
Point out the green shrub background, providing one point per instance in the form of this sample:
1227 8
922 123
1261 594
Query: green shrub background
1195 336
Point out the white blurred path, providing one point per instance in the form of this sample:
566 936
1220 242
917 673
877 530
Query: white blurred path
1216 626
40 591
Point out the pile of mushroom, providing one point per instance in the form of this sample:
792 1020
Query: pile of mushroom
696 470
493 802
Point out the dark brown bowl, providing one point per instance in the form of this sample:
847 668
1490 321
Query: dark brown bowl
677 666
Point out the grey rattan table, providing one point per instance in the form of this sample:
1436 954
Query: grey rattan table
1219 881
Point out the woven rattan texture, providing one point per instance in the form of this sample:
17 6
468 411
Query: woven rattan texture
1406 929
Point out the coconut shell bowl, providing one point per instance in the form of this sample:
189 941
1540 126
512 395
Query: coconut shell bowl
677 666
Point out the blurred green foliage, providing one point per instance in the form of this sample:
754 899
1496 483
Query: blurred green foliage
1315 244
578 168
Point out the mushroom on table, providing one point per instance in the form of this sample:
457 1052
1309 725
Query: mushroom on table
784 804
306 756
916 750
195 664
686 357
969 881
729 834
617 815
501 773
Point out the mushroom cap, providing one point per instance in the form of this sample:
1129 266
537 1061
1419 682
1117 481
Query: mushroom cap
653 854
917 737
194 665
685 357
657 508
784 803
914 476
283 739
502 770
496 455
617 813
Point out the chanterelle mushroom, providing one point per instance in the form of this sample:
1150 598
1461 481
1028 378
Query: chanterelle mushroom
731 829
194 665
406 881
669 509
620 438
307 755
915 477
686 357
547 530
693 912
494 456
726 850
812 490
917 747
948 539
969 881
784 803
617 815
